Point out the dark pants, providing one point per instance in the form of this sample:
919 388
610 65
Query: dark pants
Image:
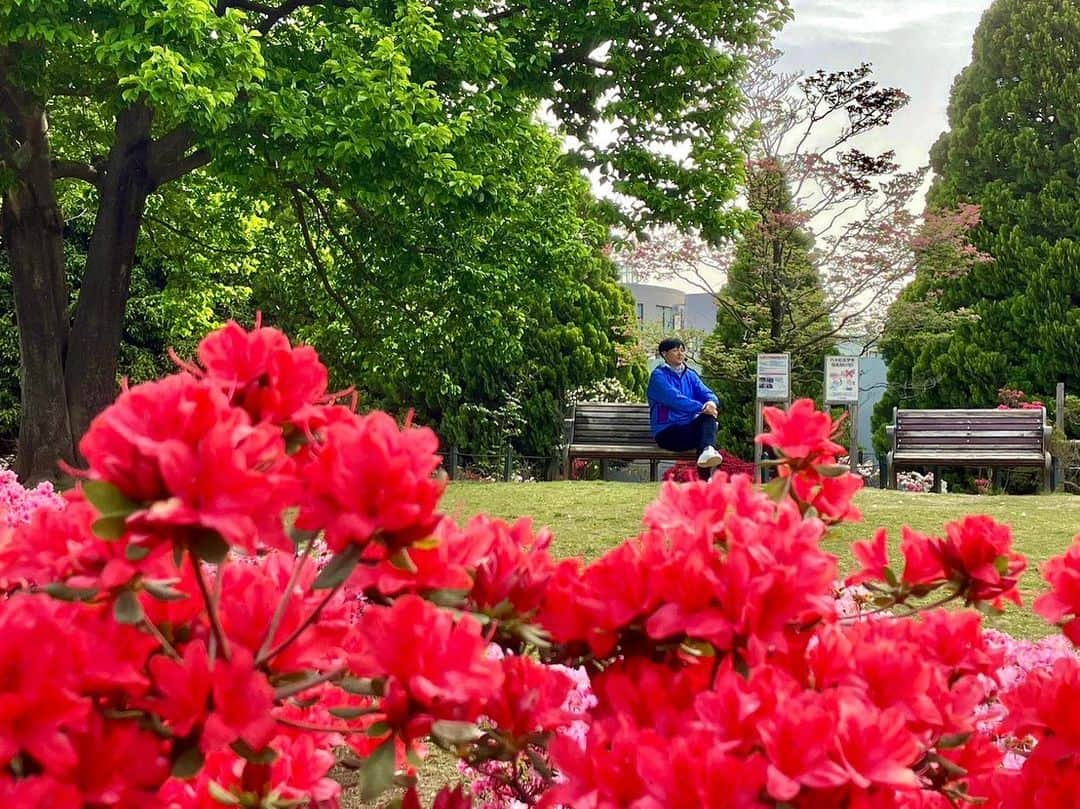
698 434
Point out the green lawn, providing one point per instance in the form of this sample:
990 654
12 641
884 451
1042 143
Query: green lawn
587 518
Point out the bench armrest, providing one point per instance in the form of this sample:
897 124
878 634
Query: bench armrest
890 431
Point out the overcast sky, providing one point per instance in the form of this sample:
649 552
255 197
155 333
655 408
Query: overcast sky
916 45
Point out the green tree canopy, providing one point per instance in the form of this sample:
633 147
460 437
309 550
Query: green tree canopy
1013 149
376 111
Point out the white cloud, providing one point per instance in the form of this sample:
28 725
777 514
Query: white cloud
875 20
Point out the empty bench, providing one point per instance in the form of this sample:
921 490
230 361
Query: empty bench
607 431
994 439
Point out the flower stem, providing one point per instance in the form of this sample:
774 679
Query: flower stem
166 647
267 656
279 613
296 688
211 611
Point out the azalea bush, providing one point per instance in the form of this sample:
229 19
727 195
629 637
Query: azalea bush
253 582
17 503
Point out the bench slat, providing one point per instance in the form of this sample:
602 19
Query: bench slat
626 452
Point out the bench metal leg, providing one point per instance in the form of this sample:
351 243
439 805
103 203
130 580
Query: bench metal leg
1046 479
937 480
654 471
603 470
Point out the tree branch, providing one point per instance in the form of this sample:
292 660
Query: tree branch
320 267
76 171
185 165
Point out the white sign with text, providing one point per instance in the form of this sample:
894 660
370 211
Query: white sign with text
773 377
841 380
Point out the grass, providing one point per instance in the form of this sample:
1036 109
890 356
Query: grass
587 518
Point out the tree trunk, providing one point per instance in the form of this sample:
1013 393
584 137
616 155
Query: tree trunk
32 226
91 366
69 374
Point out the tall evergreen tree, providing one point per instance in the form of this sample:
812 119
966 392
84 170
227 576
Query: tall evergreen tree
773 302
1013 148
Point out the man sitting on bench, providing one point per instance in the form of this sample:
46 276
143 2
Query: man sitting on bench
682 411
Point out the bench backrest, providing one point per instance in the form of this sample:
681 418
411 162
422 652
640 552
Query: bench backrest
1005 430
611 423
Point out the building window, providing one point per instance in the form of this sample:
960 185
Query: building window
666 316
641 313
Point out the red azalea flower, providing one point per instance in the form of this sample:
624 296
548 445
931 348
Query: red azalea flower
370 479
261 372
922 560
873 555
439 660
40 703
242 704
801 433
177 446
530 699
256 587
182 689
511 564
1063 600
978 550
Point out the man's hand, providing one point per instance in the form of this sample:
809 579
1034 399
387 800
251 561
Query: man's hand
709 409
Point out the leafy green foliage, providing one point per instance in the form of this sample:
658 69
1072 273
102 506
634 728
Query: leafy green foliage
372 176
1012 149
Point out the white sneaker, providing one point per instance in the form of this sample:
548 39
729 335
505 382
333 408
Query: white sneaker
709 458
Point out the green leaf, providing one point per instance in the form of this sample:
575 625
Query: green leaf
135 552
698 648
426 544
352 713
378 771
831 470
127 609
268 755
221 795
107 498
378 729
188 764
338 569
453 732
890 577
776 489
364 686
109 528
209 546
62 592
163 590
539 763
951 740
402 561
447 597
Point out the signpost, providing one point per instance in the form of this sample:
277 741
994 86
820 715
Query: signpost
773 385
842 388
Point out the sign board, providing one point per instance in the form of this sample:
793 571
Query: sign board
841 380
773 378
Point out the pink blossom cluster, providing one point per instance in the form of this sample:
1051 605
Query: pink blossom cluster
18 504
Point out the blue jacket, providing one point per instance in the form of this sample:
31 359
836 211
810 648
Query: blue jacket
675 398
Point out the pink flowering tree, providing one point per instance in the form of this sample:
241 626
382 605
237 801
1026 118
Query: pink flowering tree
854 207
251 577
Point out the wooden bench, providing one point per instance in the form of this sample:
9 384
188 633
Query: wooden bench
608 431
993 439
